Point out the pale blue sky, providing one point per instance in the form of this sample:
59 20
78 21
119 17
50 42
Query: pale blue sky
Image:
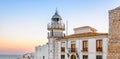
26 20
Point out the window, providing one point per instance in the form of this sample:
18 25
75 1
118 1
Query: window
62 46
62 56
73 57
73 46
98 45
85 57
57 19
62 49
43 57
85 45
98 57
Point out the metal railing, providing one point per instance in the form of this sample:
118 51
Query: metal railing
60 26
99 49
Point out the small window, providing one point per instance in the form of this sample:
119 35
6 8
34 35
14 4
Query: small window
98 57
73 47
85 56
73 57
62 46
57 19
62 56
85 45
43 57
98 45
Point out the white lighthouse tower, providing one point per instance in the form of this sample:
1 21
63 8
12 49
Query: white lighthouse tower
55 28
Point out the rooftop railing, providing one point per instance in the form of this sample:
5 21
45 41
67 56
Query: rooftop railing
60 26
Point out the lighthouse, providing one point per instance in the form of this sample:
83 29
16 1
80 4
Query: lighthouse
55 31
56 27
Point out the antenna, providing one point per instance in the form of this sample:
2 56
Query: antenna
56 11
66 27
67 39
56 8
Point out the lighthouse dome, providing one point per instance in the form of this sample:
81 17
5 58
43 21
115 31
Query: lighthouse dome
56 16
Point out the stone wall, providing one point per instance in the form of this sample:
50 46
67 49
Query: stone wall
114 34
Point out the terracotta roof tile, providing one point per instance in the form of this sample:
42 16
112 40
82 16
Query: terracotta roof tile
85 34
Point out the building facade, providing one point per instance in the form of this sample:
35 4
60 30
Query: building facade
86 42
41 52
55 28
114 34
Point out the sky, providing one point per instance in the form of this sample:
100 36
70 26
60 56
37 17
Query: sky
23 23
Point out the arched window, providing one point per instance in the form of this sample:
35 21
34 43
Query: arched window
73 57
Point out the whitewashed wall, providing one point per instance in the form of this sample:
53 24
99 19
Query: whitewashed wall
80 49
50 53
105 48
82 30
79 42
41 51
59 50
91 49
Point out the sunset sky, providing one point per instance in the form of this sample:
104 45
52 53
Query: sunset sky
23 23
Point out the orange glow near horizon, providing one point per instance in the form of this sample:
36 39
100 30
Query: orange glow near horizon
17 44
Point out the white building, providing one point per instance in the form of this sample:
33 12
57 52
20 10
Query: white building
28 56
85 43
41 52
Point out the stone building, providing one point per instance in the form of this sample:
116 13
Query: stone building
114 34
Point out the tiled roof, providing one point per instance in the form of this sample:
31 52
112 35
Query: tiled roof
85 34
